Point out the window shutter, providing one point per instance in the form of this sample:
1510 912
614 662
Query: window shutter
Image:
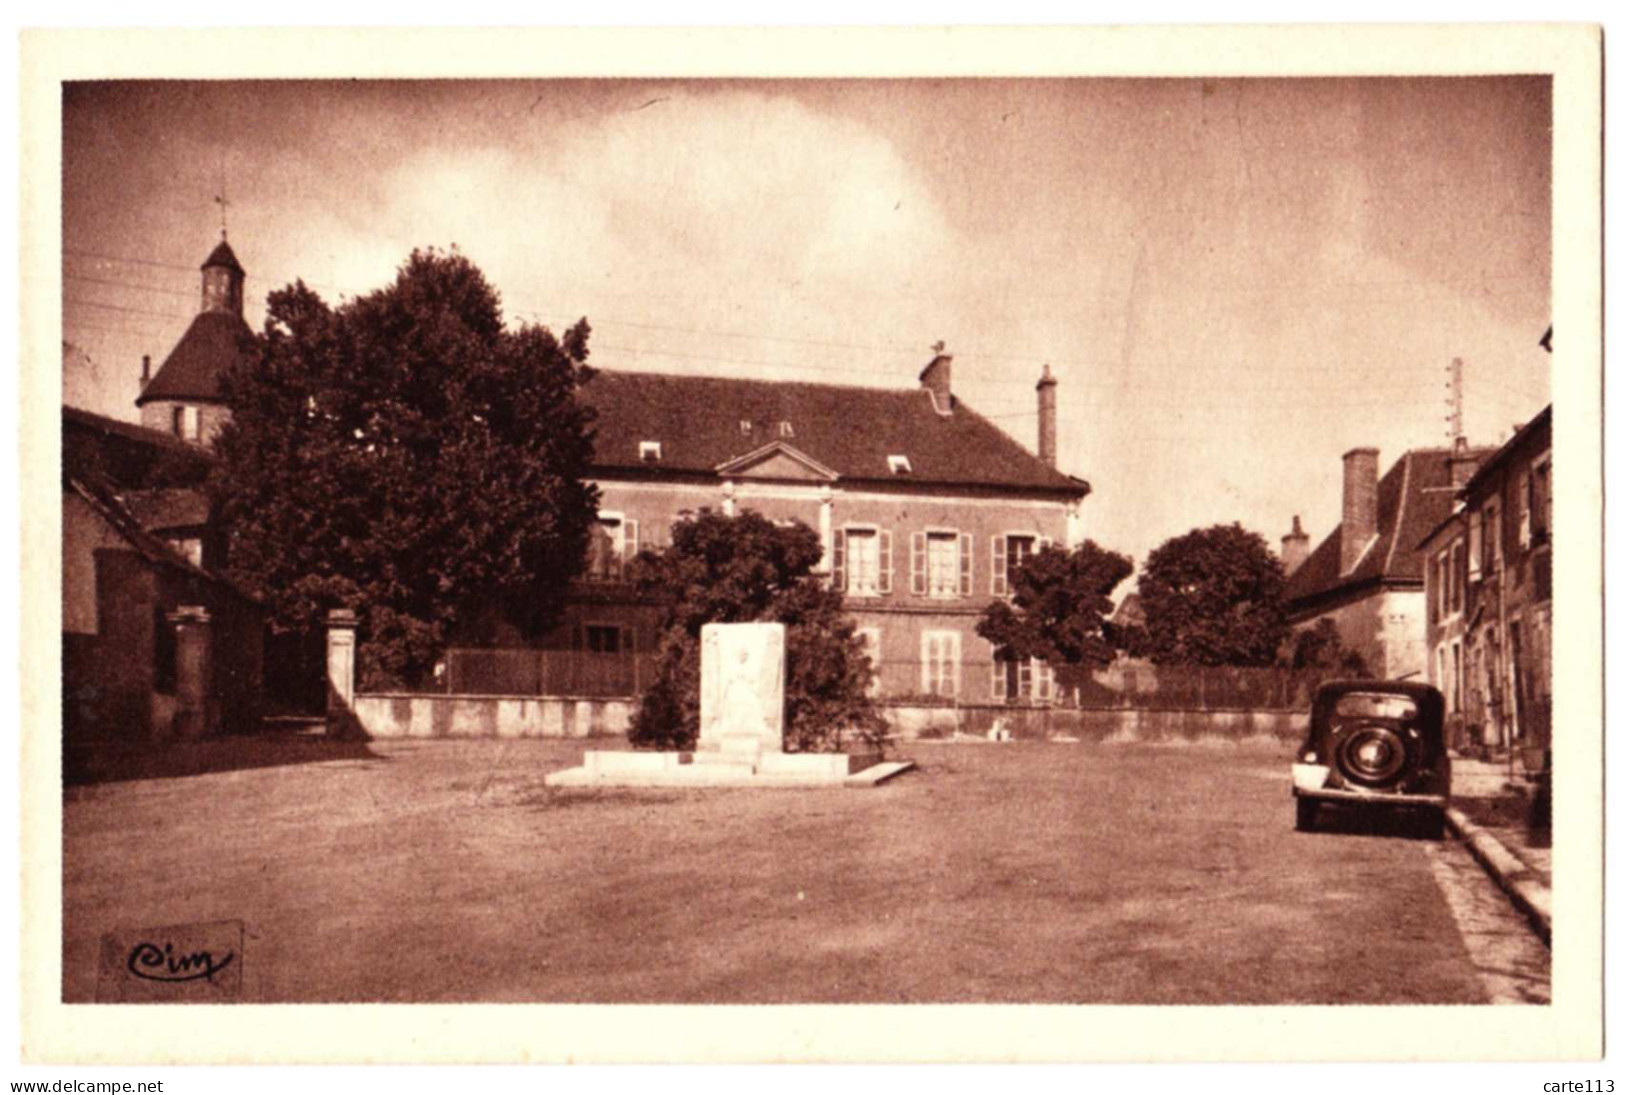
1000 586
1475 547
998 675
629 540
838 572
1525 506
967 577
916 561
885 561
925 662
953 647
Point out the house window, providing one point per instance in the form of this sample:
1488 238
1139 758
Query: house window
940 564
1458 571
649 452
870 638
611 542
163 652
1010 551
899 465
1455 678
785 429
191 548
939 663
185 423
1492 537
1540 500
1022 678
863 562
608 639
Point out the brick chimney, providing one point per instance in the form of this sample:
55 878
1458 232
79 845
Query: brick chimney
1359 504
937 378
146 370
1462 464
1294 547
1046 417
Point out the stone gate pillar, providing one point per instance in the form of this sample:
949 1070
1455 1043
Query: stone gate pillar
341 624
197 712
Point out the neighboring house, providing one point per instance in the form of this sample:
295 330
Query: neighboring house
1501 591
153 644
1367 575
923 506
184 397
1444 552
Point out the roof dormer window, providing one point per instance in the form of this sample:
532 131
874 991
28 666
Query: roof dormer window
899 465
649 452
744 426
785 430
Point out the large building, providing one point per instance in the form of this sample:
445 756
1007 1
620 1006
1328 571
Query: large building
923 507
1367 575
1489 594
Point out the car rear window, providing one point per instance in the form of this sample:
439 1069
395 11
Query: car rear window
1376 705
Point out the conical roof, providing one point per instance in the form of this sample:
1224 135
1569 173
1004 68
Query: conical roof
191 372
222 256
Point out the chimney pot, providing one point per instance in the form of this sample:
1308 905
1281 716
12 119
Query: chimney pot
1294 546
1047 450
1359 504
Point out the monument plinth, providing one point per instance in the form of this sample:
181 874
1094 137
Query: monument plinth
741 740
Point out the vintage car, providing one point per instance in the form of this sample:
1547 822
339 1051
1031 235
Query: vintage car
1374 744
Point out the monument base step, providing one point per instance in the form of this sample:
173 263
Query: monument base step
601 768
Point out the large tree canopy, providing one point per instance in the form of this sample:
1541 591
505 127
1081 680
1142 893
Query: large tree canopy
1213 597
722 569
1059 610
406 455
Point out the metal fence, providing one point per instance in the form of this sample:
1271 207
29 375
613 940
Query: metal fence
526 672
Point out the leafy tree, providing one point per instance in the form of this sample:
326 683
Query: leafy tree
406 455
1213 597
1321 647
740 569
1060 610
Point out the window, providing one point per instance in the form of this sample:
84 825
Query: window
649 452
870 638
1455 678
785 429
940 564
899 465
1520 499
1022 679
939 663
185 423
163 652
1458 571
612 541
191 547
608 639
863 562
1475 547
1438 577
1540 500
1492 537
1010 551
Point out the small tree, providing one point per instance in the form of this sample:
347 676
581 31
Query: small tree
741 569
1321 647
1213 597
1060 610
407 456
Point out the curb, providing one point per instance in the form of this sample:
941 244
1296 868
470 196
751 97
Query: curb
1512 874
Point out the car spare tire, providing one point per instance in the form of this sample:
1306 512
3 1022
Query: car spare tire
1372 755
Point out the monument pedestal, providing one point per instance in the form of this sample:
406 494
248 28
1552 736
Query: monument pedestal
741 730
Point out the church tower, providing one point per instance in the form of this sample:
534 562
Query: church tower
184 397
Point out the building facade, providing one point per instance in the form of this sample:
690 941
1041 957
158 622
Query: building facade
1367 575
1490 583
923 507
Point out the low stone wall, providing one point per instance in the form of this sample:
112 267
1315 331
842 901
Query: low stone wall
419 715
912 721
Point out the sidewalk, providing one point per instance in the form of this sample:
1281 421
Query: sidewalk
1489 811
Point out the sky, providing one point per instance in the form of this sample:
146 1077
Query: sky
1234 281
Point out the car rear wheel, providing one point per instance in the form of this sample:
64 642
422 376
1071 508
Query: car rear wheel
1372 756
1307 808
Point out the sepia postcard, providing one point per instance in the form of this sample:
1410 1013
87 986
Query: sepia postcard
743 545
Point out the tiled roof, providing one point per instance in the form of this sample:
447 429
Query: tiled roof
1412 499
167 507
1541 422
127 454
852 430
192 370
223 255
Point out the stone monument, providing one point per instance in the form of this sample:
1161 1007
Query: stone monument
741 740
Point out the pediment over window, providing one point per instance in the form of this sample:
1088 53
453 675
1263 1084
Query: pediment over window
777 460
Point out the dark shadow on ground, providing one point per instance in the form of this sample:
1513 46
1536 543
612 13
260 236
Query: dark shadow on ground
1364 821
273 743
